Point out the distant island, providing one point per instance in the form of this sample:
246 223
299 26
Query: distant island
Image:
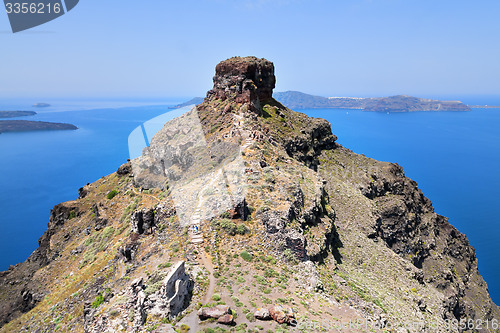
15 114
41 105
196 100
25 126
400 103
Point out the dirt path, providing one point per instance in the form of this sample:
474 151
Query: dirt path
147 195
192 319
122 270
207 263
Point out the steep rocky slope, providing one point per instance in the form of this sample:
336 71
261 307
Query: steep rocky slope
244 203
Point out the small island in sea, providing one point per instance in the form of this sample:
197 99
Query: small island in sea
399 103
26 126
15 114
41 105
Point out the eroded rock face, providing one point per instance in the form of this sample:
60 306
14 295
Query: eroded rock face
397 213
58 217
23 295
173 295
143 221
313 139
245 80
306 209
410 227
168 301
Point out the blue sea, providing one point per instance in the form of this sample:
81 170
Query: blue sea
454 157
42 169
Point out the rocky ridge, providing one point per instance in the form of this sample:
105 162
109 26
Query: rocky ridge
286 215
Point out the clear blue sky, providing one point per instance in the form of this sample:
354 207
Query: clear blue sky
124 48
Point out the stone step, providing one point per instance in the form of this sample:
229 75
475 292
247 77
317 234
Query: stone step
197 241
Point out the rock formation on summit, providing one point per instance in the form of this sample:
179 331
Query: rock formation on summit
244 80
256 205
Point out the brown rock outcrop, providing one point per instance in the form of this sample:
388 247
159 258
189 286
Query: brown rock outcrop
282 314
245 80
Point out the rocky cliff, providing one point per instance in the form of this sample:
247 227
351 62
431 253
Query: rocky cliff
237 205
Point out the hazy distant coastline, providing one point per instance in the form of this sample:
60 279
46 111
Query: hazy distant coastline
27 126
15 114
399 103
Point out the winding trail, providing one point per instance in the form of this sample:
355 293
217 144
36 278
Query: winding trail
192 319
207 263
122 270
147 195
195 235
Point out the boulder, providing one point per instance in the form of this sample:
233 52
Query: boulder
262 314
282 314
214 312
307 276
277 313
226 319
